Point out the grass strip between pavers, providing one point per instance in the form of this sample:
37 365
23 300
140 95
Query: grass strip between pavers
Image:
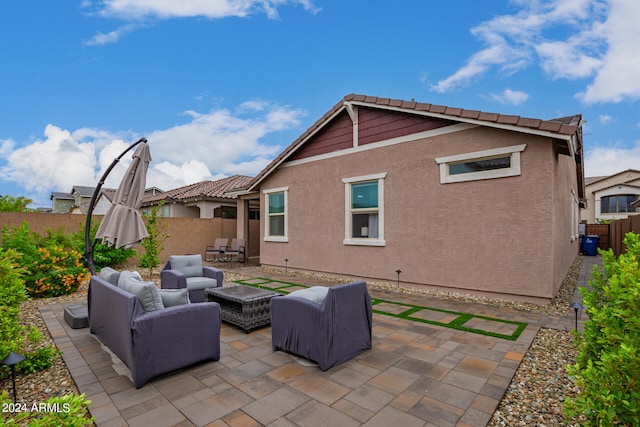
458 323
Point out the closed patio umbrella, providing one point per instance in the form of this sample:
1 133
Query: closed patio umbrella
122 225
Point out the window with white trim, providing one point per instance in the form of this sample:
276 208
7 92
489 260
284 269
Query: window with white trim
486 164
364 210
275 226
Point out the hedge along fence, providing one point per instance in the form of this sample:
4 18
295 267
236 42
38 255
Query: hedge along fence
188 235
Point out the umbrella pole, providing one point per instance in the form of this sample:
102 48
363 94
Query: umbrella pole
88 254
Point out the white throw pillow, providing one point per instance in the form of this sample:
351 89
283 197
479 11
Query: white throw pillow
316 294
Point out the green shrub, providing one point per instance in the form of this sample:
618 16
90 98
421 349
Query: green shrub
104 255
69 411
53 268
12 293
607 369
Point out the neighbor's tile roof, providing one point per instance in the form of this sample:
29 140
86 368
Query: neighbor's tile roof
202 190
562 126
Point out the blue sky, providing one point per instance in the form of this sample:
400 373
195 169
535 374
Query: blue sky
220 87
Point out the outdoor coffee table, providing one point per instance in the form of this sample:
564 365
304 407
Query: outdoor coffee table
243 306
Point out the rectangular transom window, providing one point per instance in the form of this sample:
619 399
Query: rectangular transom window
364 210
487 164
275 227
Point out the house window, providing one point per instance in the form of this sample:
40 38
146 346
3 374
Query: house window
617 204
275 229
486 164
364 210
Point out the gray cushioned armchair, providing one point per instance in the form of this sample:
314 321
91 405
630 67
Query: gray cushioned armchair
328 333
187 271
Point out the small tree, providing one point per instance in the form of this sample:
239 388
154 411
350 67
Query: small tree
153 244
9 203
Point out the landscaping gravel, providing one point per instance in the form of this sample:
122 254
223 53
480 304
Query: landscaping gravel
535 396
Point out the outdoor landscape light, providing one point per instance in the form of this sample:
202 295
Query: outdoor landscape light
577 306
286 260
398 271
11 360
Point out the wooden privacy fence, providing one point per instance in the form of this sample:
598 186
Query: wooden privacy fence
187 235
618 229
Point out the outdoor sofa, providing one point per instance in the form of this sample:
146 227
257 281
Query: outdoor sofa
325 325
149 339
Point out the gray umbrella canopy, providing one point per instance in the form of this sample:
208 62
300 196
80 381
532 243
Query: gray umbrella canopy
123 225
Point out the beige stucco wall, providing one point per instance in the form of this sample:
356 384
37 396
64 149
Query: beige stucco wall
489 236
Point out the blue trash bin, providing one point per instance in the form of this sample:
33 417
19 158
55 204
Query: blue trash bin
589 245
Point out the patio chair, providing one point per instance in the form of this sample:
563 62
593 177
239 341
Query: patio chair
328 330
186 271
216 251
237 249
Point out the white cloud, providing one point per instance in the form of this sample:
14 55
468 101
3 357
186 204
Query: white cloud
617 79
512 97
569 39
111 37
136 9
601 161
207 146
606 119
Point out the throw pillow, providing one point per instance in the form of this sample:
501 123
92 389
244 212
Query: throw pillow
125 275
110 275
171 297
147 293
316 294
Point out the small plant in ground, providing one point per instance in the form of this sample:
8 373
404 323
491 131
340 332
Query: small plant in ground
607 369
153 244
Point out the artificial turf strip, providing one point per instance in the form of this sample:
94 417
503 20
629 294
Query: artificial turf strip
458 323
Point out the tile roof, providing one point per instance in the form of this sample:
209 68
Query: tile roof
201 190
563 126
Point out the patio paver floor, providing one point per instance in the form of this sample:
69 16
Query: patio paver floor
416 374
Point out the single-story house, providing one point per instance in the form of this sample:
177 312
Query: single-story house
205 199
454 199
611 197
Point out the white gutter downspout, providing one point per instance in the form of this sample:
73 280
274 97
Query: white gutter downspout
353 113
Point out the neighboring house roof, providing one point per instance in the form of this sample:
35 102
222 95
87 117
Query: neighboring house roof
60 195
619 184
83 191
563 128
593 179
204 190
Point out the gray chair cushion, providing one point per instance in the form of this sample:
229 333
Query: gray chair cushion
147 293
110 275
197 283
316 294
189 265
171 297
